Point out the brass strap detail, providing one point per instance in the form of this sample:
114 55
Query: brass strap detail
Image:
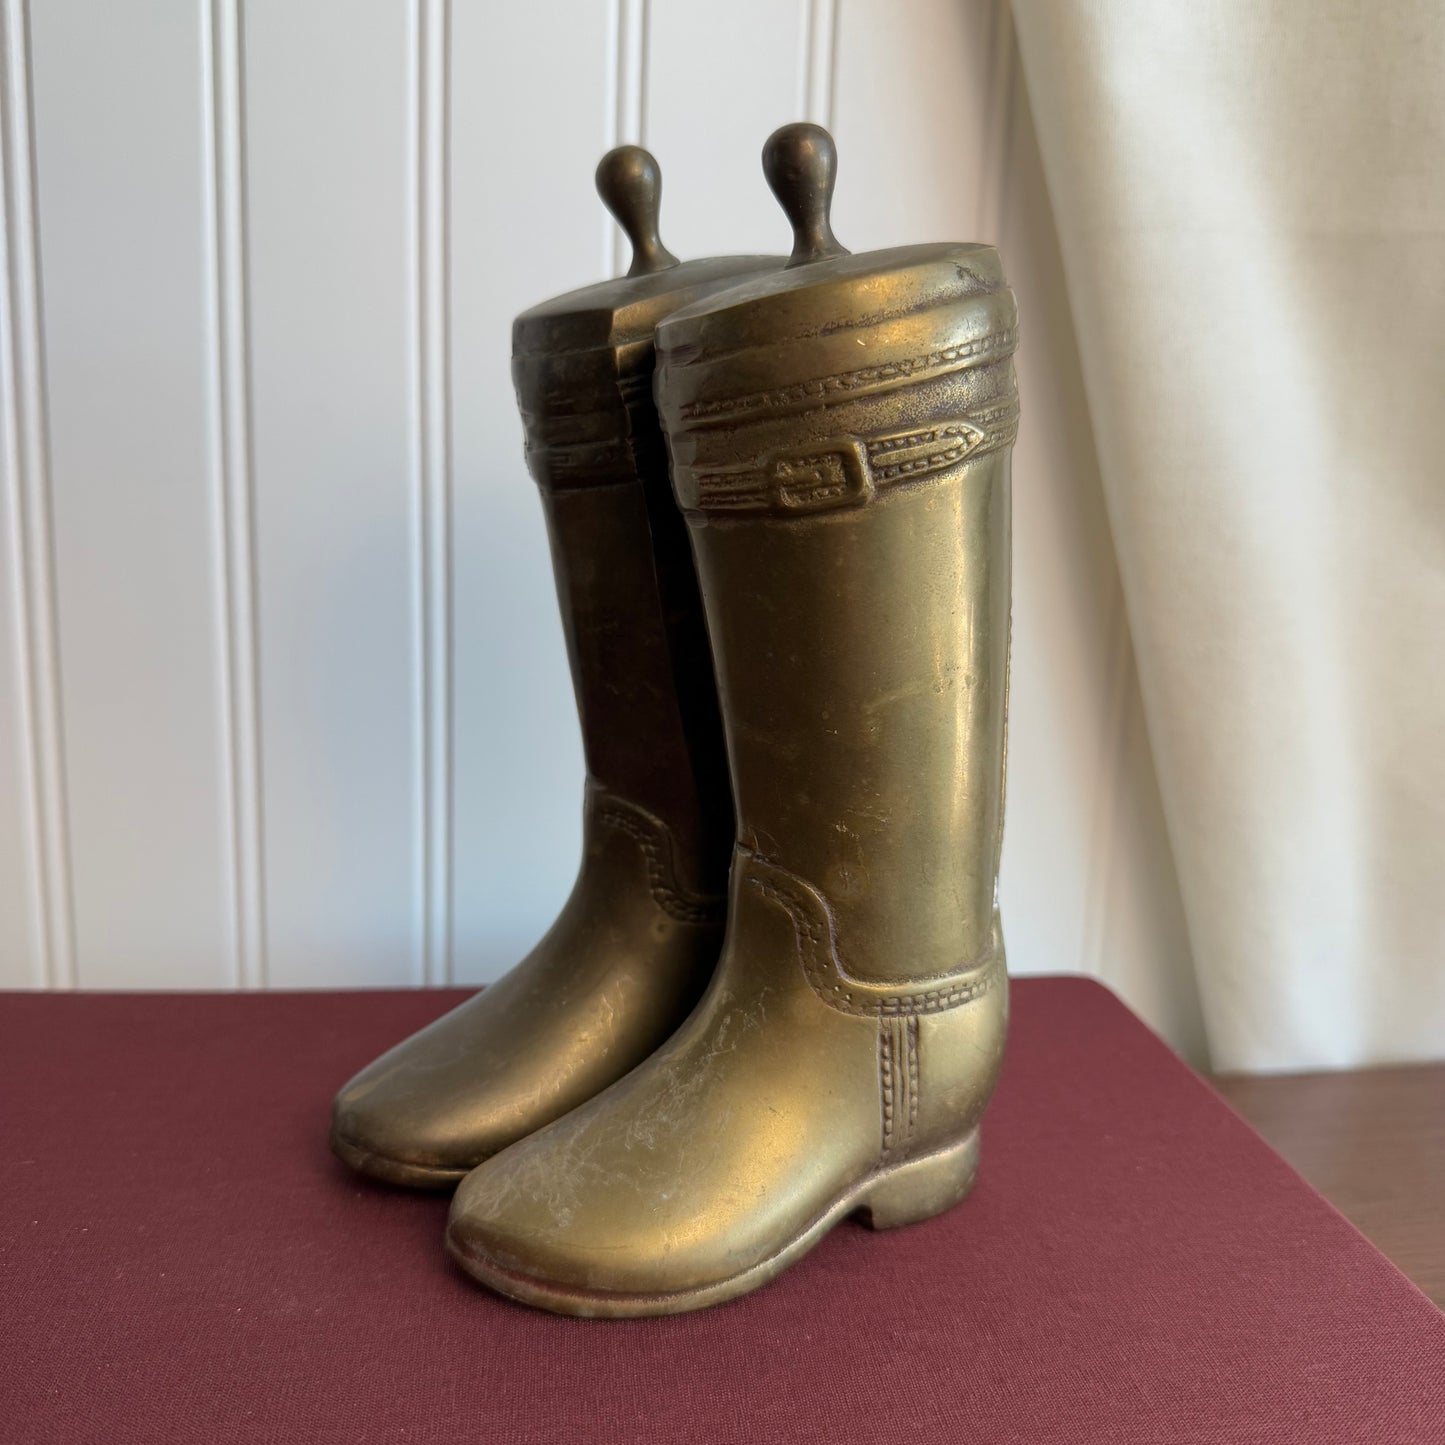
847 471
654 840
979 351
581 465
817 938
574 443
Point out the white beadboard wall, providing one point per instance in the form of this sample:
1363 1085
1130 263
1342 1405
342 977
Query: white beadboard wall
284 696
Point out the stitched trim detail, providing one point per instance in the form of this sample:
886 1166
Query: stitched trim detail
846 471
654 840
816 934
911 1042
995 346
898 1081
888 1080
941 447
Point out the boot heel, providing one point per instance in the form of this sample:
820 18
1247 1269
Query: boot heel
920 1188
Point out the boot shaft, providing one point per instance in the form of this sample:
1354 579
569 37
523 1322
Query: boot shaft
631 613
840 440
650 734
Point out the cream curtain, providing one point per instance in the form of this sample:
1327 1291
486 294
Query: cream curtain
1250 199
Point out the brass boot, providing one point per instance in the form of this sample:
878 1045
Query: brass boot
638 938
840 437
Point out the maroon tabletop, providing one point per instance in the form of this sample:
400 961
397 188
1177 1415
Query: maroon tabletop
182 1259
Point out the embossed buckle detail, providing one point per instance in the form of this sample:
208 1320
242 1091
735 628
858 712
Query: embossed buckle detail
833 474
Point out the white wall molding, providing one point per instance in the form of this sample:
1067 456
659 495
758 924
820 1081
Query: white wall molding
1003 78
234 504
818 60
627 60
316 726
31 548
432 520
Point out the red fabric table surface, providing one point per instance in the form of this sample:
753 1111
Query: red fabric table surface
181 1259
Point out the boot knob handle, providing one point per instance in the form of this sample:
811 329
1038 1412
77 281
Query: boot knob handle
630 184
800 162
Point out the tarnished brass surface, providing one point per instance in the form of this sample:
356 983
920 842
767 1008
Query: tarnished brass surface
840 436
638 939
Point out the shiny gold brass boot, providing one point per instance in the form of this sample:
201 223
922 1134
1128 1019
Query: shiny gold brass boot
840 436
637 941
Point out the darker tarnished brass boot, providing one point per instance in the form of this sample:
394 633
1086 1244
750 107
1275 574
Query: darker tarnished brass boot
840 436
637 941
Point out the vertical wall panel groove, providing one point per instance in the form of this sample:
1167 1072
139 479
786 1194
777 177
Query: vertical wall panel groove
819 60
629 45
231 444
27 468
432 460
611 92
998 123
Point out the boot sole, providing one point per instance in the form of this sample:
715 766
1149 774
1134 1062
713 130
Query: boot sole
889 1198
394 1171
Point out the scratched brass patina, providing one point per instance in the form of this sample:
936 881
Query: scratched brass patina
637 941
840 435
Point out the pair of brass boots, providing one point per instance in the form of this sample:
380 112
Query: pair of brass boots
776 996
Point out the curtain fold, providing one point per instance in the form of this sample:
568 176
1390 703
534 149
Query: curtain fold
1251 207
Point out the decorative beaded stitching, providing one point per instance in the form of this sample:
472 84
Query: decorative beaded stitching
841 384
886 1080
818 949
654 840
911 1045
898 1080
965 438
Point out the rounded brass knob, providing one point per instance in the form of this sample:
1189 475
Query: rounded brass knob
630 184
800 162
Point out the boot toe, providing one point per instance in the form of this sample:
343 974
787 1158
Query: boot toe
637 1205
523 1214
544 1223
378 1129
